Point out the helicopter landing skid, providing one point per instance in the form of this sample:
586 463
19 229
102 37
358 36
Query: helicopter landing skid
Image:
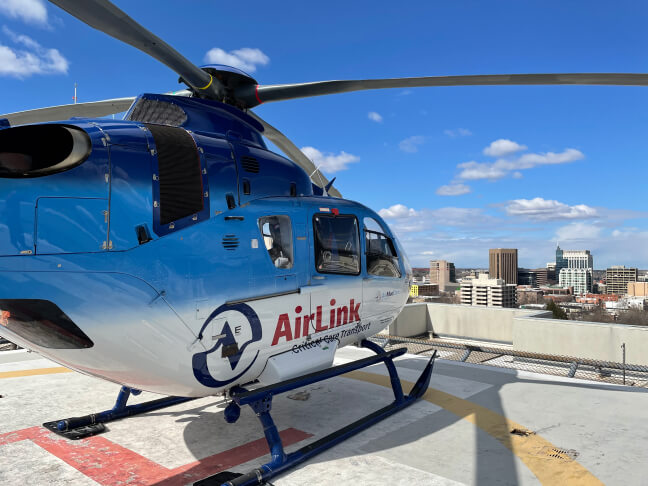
261 402
79 427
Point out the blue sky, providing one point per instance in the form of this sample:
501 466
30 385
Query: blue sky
455 171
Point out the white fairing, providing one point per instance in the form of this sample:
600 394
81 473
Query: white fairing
305 358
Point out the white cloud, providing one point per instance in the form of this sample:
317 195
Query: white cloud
528 161
517 175
578 231
246 59
502 167
411 144
459 132
397 211
30 11
408 220
373 116
453 190
329 162
475 170
503 147
35 59
547 209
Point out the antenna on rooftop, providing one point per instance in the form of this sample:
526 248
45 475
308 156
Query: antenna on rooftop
75 93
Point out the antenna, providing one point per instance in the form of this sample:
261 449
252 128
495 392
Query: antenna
320 177
75 93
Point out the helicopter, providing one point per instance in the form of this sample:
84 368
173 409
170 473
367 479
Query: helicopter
172 252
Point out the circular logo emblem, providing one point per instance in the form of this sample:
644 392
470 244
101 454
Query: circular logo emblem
233 329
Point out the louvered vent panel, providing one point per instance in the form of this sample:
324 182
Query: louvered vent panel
250 164
181 190
230 242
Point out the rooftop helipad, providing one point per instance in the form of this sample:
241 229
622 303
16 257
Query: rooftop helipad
475 425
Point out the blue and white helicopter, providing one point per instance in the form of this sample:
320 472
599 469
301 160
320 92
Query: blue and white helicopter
172 252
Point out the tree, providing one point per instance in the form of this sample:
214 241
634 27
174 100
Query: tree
557 312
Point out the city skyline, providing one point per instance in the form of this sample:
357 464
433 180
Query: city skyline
454 171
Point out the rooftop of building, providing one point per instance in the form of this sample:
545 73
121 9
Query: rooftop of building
475 425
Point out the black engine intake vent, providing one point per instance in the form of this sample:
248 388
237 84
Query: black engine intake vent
230 242
250 164
156 111
181 191
40 150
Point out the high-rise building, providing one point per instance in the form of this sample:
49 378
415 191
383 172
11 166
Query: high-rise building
561 262
567 262
489 292
638 289
442 273
527 277
503 263
618 277
578 259
542 276
580 279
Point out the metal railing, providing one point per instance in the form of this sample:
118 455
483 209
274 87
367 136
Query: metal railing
507 357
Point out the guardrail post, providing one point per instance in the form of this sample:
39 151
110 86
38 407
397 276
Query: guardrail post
572 369
624 363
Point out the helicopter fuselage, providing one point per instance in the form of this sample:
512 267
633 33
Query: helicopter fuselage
173 252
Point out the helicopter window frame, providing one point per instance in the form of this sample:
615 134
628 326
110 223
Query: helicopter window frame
279 245
382 258
375 254
320 249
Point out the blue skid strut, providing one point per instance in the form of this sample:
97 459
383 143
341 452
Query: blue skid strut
261 402
79 427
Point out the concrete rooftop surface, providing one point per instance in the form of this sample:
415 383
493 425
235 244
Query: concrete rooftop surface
475 425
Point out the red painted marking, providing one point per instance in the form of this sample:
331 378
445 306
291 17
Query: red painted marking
104 461
110 464
256 93
24 434
228 459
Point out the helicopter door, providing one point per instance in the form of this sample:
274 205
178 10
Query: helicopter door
336 284
381 286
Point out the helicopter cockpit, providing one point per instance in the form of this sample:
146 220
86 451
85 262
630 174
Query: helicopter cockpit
277 236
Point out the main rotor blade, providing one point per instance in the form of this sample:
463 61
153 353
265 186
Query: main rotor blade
296 155
265 94
107 18
94 109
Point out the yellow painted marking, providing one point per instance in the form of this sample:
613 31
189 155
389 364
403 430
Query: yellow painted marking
532 449
210 82
35 372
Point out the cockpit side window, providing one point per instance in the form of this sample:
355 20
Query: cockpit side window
382 259
337 244
277 236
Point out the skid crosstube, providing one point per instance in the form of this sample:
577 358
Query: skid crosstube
261 402
93 424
